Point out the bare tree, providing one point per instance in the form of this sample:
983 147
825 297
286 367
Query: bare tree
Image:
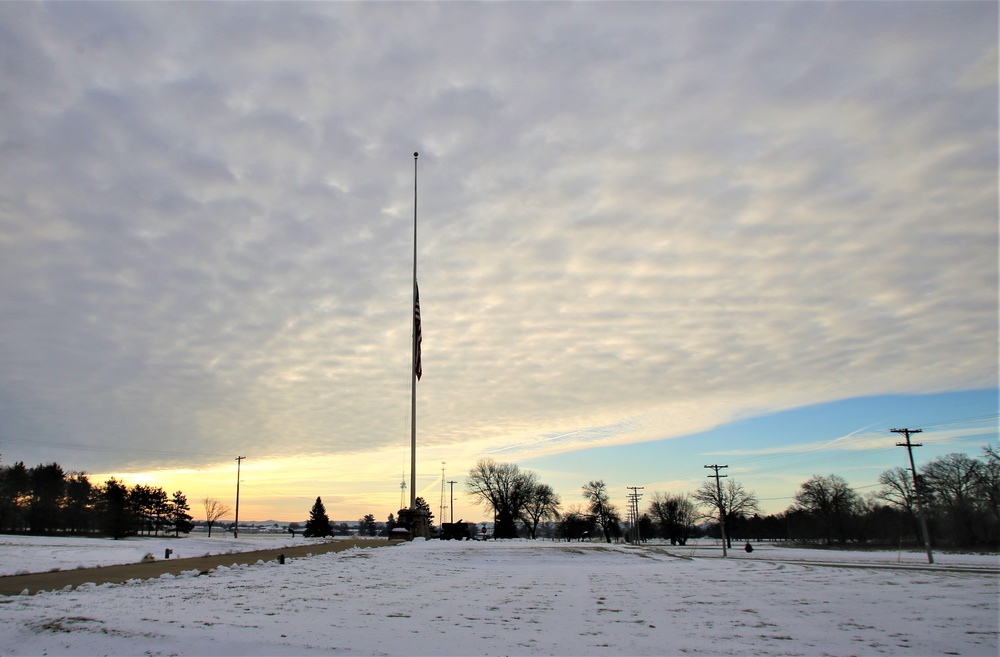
989 486
543 504
831 500
734 502
953 481
676 515
897 489
575 524
214 511
604 512
504 488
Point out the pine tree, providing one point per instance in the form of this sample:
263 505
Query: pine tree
318 523
422 504
180 519
117 516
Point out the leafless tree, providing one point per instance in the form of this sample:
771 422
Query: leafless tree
897 489
604 512
214 511
675 514
503 487
543 504
832 500
953 483
575 524
734 502
989 482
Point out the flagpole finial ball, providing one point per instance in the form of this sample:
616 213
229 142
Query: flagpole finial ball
416 154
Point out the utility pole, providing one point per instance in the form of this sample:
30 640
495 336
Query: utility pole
452 501
628 520
634 510
722 504
917 488
236 526
443 507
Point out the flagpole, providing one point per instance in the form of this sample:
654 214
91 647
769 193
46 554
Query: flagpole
413 360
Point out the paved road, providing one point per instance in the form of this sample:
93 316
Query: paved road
38 582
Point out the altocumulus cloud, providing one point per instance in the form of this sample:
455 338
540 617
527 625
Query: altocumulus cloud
637 220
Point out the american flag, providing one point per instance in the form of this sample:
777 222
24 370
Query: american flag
417 337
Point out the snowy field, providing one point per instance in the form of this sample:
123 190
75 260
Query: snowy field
510 598
39 554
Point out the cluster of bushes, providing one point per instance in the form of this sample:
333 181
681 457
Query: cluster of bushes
45 499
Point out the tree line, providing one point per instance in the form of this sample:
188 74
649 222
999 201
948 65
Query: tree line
959 494
318 524
46 499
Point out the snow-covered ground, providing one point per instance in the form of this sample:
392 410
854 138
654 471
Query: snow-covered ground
520 597
39 554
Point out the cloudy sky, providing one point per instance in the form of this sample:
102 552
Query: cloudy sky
639 223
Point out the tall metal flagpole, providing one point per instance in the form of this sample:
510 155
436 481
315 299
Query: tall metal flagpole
413 363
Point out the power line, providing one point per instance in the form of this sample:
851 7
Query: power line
841 444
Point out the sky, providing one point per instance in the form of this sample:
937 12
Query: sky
651 237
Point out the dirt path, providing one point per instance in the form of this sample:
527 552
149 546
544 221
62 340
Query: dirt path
38 582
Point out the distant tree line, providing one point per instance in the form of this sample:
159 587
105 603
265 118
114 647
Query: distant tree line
959 494
368 526
45 500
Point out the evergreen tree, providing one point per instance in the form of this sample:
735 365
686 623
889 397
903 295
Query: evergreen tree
318 523
422 504
150 507
366 527
48 486
117 518
179 518
78 512
15 491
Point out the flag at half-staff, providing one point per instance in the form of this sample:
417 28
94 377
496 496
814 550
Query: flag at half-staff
415 520
417 337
